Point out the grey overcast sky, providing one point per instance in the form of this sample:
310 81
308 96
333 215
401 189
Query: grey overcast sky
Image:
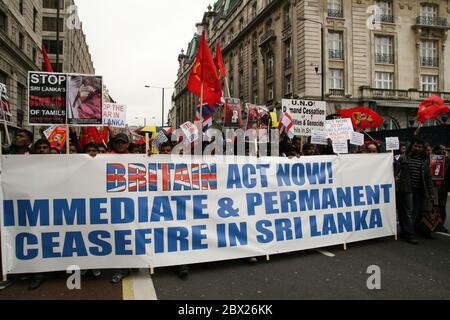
135 43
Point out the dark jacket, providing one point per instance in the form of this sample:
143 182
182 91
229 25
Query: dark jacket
403 177
447 174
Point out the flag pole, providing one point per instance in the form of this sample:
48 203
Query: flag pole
228 87
67 138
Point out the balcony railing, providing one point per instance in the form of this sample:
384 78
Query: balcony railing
336 54
429 62
402 95
384 58
337 92
432 21
333 13
269 35
386 18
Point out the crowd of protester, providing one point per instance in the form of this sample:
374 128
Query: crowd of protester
416 192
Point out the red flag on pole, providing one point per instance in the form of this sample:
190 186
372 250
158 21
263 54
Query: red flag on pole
204 75
47 63
222 71
431 109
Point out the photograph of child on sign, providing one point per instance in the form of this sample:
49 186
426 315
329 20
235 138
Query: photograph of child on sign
85 100
258 122
233 113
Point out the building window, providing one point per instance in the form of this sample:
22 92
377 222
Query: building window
21 9
429 57
335 45
287 16
386 11
241 83
287 54
429 11
254 42
3 78
336 79
270 94
21 41
254 10
429 83
255 73
35 55
270 65
49 24
384 80
384 50
241 24
52 4
241 54
231 86
255 97
335 9
35 16
288 82
51 46
2 22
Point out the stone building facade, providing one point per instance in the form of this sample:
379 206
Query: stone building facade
385 54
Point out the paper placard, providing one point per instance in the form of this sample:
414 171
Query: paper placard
339 129
319 137
392 144
306 115
340 147
114 115
357 139
190 131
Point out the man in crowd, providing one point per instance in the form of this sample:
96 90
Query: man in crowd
91 149
21 145
415 190
42 146
120 144
442 188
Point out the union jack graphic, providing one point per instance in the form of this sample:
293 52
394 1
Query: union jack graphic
115 178
136 177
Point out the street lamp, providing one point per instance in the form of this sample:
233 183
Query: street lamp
163 97
322 45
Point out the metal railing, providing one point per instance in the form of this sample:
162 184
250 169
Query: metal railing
388 18
432 21
269 35
429 62
337 92
333 13
384 58
336 54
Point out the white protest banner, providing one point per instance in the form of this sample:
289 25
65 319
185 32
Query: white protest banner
132 211
339 129
319 137
306 115
114 115
357 139
392 144
340 146
190 131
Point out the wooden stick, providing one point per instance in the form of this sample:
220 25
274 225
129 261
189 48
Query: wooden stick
147 143
268 258
228 88
345 246
152 271
1 144
67 138
369 136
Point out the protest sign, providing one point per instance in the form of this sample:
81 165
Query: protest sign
190 131
438 168
57 137
357 139
5 108
319 137
161 138
232 113
47 98
85 100
339 129
258 123
114 115
340 146
392 144
132 211
306 115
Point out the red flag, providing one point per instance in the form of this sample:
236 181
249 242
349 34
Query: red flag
362 118
222 71
204 73
48 65
431 109
93 135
